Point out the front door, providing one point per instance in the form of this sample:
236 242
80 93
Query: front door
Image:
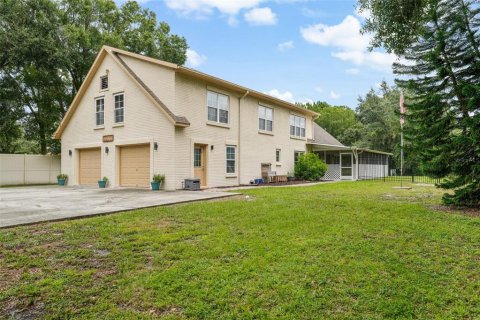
199 163
346 166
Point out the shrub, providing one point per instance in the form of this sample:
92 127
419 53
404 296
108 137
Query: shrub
160 178
310 167
62 176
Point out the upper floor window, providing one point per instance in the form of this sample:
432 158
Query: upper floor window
265 118
218 106
104 83
119 107
99 111
277 155
297 126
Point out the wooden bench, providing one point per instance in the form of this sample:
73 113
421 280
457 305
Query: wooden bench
279 178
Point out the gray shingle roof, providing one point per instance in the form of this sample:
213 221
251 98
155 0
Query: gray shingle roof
321 136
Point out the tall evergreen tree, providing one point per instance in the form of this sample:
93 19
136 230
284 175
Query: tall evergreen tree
443 72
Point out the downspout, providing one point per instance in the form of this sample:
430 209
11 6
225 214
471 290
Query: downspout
239 133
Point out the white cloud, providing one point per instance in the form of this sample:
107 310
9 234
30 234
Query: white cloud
334 95
350 45
261 16
194 59
365 14
312 13
232 21
284 46
286 96
352 71
306 100
319 89
229 7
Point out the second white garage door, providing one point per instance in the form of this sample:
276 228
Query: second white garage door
135 166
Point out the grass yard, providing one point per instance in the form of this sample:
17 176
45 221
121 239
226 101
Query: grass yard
353 250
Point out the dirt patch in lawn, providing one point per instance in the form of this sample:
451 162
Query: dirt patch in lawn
468 211
8 277
13 310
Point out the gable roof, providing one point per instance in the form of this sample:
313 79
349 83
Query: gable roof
115 54
321 136
192 73
177 120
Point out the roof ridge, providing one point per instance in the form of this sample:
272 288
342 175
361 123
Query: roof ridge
214 79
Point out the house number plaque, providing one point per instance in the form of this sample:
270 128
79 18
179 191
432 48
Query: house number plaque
108 138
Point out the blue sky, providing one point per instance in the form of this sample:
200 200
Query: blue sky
297 50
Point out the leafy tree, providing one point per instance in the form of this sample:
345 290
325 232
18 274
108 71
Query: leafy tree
310 167
395 24
48 47
442 70
336 120
378 116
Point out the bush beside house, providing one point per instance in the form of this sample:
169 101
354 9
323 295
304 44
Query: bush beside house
309 167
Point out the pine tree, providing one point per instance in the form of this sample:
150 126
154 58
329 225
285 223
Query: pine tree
442 69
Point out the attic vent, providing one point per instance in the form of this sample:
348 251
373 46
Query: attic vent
104 83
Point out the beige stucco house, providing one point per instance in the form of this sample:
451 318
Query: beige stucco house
135 116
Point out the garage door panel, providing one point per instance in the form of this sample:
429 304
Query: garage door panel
135 166
89 166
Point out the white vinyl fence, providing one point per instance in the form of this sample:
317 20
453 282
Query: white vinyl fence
18 169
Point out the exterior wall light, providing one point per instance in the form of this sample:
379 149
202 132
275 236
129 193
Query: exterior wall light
106 150
70 153
155 146
211 147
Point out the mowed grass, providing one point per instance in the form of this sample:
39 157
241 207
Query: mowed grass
353 250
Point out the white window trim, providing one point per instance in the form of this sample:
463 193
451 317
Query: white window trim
100 126
300 153
114 109
231 174
295 136
260 130
213 122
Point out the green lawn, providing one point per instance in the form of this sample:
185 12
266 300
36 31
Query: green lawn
353 250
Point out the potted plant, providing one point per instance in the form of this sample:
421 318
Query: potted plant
157 181
103 182
61 179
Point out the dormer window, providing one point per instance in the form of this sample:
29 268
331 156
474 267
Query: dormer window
104 83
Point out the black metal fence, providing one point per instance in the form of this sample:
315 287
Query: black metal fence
385 169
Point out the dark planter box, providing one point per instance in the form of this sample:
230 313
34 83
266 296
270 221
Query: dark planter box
61 182
102 183
291 178
155 185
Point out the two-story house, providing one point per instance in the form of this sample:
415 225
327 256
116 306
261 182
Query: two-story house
135 116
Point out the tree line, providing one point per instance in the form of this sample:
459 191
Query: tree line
47 48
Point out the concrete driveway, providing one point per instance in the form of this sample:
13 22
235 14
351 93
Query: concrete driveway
25 205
